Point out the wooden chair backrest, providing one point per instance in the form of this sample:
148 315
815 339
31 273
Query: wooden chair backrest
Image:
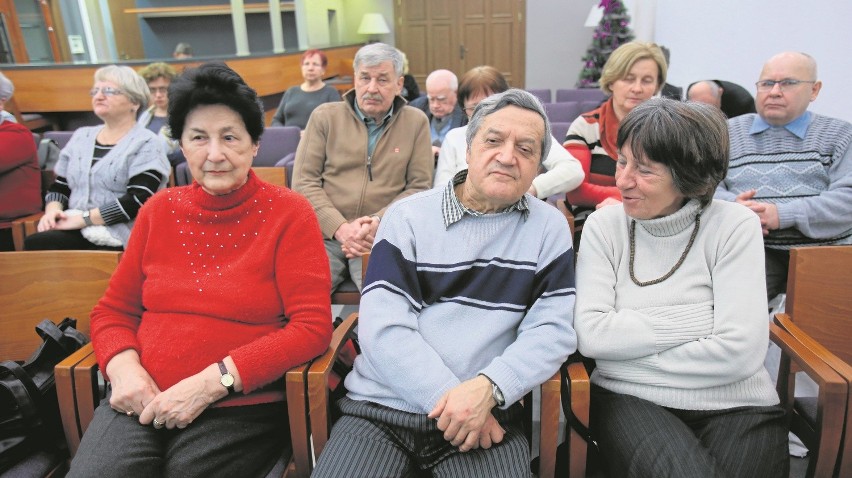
51 285
819 296
271 174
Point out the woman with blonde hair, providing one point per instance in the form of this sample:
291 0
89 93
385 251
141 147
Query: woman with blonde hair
105 173
634 73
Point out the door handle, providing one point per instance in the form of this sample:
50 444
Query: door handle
461 52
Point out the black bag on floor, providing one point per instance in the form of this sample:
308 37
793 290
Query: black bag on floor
29 412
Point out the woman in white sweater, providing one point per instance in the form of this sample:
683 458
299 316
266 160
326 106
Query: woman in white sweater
671 303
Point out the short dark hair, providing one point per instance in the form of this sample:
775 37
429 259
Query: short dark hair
510 97
484 79
689 138
214 83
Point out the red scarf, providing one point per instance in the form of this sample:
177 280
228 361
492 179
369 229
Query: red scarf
608 126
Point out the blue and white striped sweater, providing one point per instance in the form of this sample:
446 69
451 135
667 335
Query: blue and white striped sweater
491 294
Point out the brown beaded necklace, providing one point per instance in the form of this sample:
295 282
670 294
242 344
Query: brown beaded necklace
676 266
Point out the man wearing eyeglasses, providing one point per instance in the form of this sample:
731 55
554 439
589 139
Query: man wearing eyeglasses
441 106
790 166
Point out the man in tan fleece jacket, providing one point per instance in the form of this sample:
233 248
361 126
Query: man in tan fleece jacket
359 155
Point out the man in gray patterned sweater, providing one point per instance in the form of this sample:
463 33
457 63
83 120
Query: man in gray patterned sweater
790 166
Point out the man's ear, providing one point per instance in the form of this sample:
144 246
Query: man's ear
815 90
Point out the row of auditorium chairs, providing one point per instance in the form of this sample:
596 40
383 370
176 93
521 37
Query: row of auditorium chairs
568 111
564 94
814 335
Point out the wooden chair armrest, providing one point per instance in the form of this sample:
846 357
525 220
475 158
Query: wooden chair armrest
551 404
23 227
831 399
297 409
839 365
580 403
318 392
76 391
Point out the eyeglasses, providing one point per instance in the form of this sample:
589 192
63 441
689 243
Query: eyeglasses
106 90
158 89
767 85
468 110
437 99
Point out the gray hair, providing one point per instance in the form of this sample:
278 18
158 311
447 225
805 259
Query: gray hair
375 54
443 75
689 138
510 97
6 87
133 85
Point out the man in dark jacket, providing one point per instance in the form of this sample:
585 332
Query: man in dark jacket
731 98
441 106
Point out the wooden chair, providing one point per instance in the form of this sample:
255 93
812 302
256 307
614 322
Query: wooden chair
271 174
819 318
79 394
27 225
320 411
48 284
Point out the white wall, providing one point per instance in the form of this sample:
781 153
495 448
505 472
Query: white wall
556 42
731 39
723 39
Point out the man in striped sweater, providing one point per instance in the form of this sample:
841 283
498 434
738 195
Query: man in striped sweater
793 168
468 304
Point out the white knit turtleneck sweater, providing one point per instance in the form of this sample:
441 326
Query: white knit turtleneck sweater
695 341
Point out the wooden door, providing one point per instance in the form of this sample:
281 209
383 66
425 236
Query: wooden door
125 27
459 35
12 26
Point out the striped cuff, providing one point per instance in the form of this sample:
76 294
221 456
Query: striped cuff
57 197
113 214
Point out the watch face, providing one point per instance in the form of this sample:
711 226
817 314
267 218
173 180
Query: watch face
227 380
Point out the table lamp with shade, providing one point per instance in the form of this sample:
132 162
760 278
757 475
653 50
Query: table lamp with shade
373 24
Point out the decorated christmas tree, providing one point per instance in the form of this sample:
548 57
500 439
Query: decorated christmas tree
612 32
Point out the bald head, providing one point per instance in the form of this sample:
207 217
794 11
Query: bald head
781 105
794 59
705 92
441 88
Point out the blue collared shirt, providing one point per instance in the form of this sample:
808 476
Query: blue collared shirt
374 129
798 126
453 210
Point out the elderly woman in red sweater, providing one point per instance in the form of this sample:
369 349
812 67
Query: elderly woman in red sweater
222 288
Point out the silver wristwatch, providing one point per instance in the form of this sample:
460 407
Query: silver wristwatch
86 218
495 392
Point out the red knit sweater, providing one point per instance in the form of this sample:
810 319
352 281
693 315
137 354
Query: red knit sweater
204 277
20 177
